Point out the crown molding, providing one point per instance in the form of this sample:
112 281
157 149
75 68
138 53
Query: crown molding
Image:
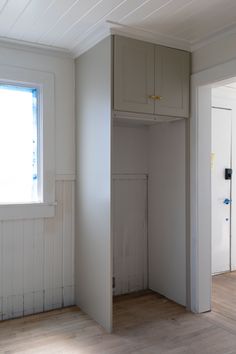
148 36
94 36
214 37
111 27
34 47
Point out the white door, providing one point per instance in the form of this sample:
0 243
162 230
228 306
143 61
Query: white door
129 233
221 189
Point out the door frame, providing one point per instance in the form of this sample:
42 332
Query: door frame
200 181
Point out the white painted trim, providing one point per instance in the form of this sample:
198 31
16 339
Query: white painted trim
200 191
35 47
27 211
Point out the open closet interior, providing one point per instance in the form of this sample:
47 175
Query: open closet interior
132 104
148 209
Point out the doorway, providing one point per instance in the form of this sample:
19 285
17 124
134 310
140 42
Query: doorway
203 84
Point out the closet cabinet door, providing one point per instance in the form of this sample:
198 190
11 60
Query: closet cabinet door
172 82
133 75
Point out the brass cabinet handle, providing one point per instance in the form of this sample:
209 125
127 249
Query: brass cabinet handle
155 97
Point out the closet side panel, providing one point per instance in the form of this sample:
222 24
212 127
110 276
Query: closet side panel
167 211
93 191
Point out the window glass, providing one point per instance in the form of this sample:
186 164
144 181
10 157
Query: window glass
19 144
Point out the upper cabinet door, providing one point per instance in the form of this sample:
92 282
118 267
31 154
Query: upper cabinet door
172 81
133 75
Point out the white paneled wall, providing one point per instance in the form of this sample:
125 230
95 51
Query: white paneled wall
37 260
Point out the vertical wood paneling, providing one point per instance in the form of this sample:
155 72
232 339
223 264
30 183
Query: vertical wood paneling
12 263
48 263
54 254
38 265
57 250
28 260
68 244
37 260
17 268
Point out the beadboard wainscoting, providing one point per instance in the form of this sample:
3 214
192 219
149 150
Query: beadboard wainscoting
37 259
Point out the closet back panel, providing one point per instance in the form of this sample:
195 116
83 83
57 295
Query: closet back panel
130 149
129 233
129 208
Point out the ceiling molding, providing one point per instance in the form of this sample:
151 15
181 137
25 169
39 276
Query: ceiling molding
111 27
214 37
149 36
34 47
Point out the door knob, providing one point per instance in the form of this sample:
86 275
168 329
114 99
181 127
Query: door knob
227 201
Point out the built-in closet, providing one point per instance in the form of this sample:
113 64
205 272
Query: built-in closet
132 101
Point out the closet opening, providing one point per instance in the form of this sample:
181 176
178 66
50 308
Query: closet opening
149 209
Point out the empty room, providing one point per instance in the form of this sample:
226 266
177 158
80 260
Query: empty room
118 176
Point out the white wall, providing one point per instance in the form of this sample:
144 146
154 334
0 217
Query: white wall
37 256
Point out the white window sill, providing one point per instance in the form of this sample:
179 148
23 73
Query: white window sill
27 211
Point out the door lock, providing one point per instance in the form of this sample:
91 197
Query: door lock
228 173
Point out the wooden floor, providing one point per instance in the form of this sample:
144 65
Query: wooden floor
147 324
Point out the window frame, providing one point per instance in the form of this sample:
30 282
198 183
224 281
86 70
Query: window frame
44 83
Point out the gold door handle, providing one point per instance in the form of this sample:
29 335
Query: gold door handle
155 97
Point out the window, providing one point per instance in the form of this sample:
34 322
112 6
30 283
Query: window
27 143
20 177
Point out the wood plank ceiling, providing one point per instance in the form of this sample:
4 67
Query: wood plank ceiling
69 24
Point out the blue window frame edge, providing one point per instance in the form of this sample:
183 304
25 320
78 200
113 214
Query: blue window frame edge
44 82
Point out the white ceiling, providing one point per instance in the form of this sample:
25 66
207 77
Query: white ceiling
75 25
